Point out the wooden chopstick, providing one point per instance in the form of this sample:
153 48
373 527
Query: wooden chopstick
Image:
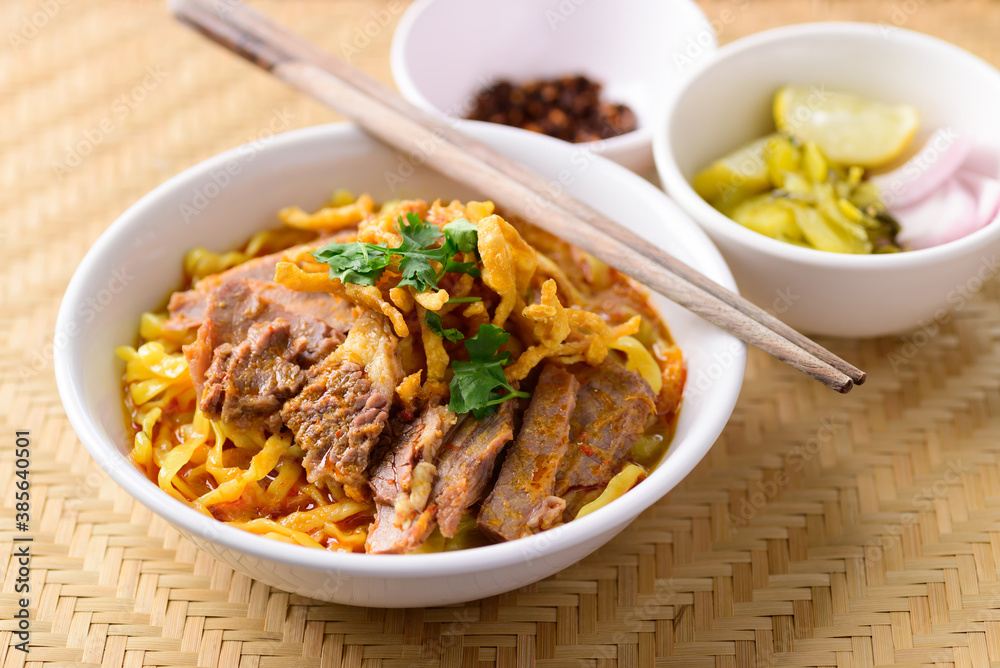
384 114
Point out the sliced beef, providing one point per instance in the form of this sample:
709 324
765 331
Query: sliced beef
239 304
402 480
522 502
419 441
246 385
187 309
465 467
255 337
612 408
340 414
384 537
337 420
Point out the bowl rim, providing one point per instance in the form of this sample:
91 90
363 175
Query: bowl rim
680 189
641 137
116 464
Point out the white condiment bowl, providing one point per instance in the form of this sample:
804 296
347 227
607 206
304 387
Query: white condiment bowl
726 102
445 51
221 202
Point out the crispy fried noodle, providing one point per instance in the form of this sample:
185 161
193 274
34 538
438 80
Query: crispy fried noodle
400 377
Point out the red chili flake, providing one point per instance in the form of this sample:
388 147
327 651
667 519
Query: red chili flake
568 108
587 450
340 432
406 415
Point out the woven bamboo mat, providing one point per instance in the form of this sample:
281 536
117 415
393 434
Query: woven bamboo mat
821 530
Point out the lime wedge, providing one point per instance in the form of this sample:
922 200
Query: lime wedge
847 128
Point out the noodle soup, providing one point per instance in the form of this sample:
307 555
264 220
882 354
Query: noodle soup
397 378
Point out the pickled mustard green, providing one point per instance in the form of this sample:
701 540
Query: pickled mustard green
790 191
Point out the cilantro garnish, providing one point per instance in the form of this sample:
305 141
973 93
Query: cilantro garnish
356 262
425 254
464 300
478 384
435 324
363 263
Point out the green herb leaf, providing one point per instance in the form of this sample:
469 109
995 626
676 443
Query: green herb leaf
464 300
363 263
463 235
435 324
485 346
450 266
417 234
478 385
358 263
418 272
460 236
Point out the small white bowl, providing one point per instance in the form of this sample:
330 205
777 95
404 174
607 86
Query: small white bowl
445 51
221 202
727 102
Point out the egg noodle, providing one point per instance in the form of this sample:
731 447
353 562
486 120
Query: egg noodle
256 482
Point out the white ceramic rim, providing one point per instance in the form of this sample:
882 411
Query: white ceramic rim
631 141
498 555
683 193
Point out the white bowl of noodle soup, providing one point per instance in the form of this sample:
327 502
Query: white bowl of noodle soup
222 201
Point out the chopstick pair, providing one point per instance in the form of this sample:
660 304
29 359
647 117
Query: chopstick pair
387 116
